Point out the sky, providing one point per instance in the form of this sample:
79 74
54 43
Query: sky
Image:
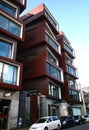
73 19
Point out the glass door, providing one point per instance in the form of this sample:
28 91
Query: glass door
5 117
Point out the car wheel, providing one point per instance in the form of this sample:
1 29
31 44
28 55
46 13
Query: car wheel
46 128
80 122
58 128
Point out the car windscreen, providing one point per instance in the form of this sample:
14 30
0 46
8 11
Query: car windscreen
41 120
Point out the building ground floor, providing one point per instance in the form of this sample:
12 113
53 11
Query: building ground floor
21 109
34 106
9 104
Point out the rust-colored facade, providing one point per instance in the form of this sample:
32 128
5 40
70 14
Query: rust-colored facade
11 34
41 55
71 92
49 77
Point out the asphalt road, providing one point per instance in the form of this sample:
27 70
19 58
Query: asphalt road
79 127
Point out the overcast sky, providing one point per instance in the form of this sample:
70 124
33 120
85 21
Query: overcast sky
73 19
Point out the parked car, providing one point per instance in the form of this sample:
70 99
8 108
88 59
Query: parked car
47 123
86 118
67 121
79 119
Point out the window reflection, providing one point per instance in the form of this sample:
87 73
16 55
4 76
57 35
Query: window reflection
5 49
8 73
10 26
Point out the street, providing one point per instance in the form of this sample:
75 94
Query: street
79 127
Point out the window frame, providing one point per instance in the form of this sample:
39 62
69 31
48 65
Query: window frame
17 75
12 42
13 6
13 21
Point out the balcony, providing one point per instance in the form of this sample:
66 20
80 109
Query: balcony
54 72
71 70
11 25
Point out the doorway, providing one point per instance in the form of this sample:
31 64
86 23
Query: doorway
4 112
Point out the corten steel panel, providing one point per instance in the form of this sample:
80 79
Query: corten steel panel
63 62
34 108
65 93
36 67
11 86
35 35
39 84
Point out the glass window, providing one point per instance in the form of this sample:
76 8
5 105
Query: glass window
8 8
71 83
68 49
51 19
54 90
10 26
74 95
8 73
5 49
68 60
52 42
52 58
53 71
71 70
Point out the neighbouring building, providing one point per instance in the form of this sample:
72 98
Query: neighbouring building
11 34
71 92
49 76
85 91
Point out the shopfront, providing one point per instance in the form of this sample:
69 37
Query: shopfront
4 113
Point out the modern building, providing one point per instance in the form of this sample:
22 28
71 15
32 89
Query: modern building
85 91
11 34
40 54
71 92
49 76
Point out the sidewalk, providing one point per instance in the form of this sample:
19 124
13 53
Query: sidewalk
22 129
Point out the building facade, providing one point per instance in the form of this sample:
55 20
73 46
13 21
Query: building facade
85 91
11 34
42 77
49 76
71 92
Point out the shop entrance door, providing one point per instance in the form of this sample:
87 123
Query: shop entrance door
4 110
